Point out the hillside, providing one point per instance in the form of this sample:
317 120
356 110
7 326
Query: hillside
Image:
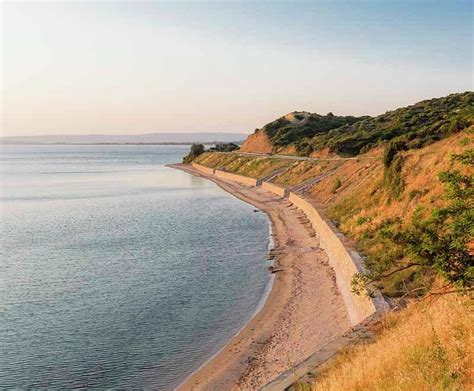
290 132
417 125
365 198
428 346
407 203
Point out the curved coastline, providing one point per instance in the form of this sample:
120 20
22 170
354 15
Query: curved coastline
260 305
303 309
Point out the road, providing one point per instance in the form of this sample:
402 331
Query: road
291 157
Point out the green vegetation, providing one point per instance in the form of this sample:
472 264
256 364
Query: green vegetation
410 127
224 147
336 185
440 242
196 150
393 180
283 132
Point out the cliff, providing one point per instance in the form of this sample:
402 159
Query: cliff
258 143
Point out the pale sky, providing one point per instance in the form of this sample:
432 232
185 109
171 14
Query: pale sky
137 67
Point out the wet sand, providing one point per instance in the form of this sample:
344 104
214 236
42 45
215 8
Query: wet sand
303 311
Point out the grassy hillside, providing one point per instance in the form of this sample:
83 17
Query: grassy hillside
359 197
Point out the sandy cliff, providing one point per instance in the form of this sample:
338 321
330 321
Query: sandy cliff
257 142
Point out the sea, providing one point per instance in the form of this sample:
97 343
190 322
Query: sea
117 272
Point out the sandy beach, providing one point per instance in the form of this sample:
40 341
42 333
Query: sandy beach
303 311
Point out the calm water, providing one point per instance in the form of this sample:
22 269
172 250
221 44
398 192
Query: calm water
117 272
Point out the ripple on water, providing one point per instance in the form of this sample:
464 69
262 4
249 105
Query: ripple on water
117 271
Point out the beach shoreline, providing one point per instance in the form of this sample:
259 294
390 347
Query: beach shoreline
303 310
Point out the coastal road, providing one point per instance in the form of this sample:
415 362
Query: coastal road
292 157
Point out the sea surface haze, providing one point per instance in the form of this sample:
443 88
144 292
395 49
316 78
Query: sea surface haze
119 272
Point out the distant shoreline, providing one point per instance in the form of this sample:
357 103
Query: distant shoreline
165 138
161 143
303 311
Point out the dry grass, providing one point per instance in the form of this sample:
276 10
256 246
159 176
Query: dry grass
428 346
248 166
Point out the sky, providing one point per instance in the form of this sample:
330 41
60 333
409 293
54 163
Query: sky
84 67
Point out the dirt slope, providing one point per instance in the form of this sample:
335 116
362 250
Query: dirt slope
257 142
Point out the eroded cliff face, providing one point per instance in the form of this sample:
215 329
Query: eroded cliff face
257 142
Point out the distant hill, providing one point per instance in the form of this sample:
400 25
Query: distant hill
304 133
150 138
294 129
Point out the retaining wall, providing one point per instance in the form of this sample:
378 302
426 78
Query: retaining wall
344 262
204 169
275 189
237 178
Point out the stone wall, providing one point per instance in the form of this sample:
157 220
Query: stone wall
206 170
237 178
275 189
344 261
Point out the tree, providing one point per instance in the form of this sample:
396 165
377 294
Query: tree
196 150
441 242
225 147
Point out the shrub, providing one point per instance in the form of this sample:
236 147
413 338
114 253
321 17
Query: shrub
392 150
416 193
363 220
336 185
393 179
